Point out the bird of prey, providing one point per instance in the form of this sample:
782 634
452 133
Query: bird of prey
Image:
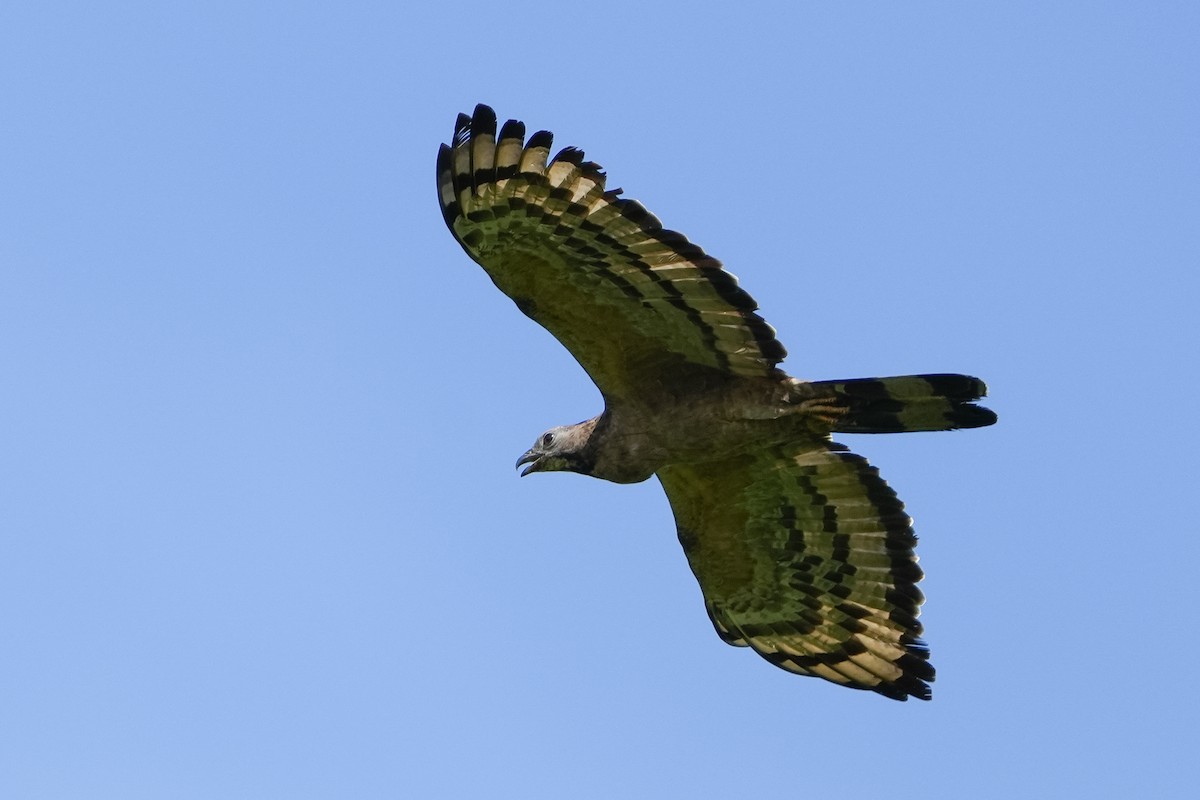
801 550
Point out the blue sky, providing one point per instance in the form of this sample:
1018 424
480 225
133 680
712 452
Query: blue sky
260 534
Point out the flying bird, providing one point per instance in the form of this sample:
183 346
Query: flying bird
803 553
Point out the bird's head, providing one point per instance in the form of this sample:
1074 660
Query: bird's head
561 449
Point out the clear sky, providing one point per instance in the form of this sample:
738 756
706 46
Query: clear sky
260 531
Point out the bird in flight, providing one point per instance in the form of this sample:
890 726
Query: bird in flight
803 553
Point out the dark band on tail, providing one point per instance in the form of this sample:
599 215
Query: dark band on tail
911 403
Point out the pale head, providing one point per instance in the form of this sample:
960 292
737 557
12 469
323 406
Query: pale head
561 449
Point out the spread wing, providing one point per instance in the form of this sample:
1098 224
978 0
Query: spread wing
807 557
636 304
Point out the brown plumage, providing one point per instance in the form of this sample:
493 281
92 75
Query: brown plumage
802 551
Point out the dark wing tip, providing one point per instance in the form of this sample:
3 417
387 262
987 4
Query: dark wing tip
483 121
513 129
569 155
541 139
509 148
918 674
904 688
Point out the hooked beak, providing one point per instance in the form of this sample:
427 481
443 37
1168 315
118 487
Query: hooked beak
531 457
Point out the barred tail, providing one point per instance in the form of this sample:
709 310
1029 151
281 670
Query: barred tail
910 403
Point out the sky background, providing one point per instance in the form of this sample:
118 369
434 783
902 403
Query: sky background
260 531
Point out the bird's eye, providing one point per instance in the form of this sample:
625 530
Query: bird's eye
547 440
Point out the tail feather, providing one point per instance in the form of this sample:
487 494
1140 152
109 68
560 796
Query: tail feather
910 403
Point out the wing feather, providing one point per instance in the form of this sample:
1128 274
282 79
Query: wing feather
804 554
633 302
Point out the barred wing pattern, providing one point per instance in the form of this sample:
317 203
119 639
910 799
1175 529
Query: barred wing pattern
634 303
802 551
806 556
